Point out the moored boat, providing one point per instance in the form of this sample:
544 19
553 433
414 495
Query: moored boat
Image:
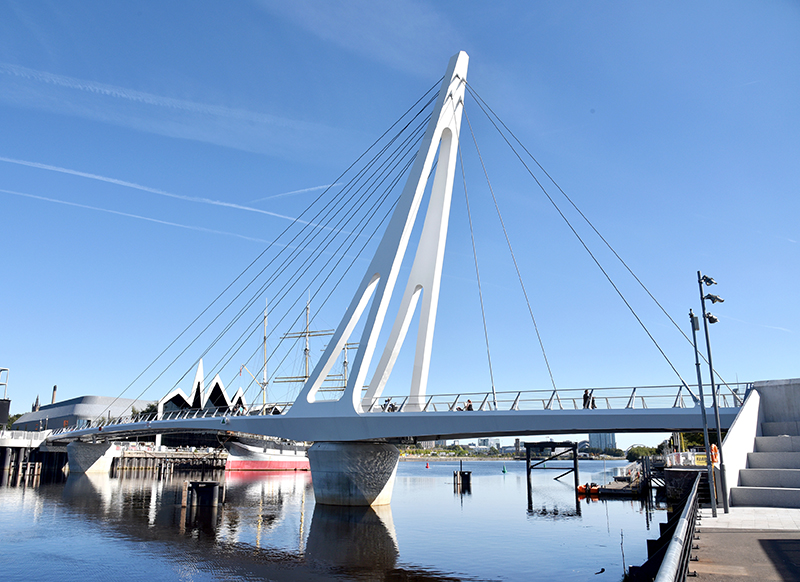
265 454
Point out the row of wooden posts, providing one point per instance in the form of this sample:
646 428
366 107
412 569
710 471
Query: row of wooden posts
163 465
27 466
30 466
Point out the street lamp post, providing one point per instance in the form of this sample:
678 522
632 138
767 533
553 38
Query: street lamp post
709 318
709 466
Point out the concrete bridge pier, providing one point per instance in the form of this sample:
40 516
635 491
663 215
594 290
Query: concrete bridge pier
91 457
353 473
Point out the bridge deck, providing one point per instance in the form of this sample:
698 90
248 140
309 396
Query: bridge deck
396 426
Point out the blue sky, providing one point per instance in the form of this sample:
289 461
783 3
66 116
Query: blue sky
150 151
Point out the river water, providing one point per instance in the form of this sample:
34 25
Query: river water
102 528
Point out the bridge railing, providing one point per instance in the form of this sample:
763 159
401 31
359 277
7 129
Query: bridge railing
178 414
669 555
668 396
563 399
22 434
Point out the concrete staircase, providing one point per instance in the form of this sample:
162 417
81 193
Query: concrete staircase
772 475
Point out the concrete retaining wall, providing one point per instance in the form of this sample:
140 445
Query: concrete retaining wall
741 438
783 401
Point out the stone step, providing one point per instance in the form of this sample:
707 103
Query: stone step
770 478
765 497
773 460
777 444
780 428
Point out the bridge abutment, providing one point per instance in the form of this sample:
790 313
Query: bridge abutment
353 473
91 457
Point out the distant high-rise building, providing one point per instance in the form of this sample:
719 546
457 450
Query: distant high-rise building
603 440
489 443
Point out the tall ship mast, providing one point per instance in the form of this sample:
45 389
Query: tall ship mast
333 382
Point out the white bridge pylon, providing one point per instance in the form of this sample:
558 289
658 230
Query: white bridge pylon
381 276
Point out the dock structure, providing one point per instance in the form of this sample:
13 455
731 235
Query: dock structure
25 458
625 488
165 463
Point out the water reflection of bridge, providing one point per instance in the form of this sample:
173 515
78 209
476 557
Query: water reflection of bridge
268 512
270 528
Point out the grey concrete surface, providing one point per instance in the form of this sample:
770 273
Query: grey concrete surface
749 543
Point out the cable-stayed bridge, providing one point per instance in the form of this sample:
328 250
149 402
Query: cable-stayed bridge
444 416
354 458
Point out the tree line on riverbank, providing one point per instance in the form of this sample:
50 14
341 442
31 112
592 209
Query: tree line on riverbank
493 452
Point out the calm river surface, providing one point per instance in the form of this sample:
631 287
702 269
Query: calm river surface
99 528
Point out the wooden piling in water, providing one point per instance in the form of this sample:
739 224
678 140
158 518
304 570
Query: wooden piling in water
573 448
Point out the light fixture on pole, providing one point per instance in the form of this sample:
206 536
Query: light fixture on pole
709 466
709 318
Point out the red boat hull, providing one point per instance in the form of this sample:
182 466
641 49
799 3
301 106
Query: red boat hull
267 465
265 455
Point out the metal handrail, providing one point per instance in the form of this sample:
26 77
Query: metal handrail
653 397
645 397
23 434
675 565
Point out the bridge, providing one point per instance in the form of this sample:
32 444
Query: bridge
354 458
444 416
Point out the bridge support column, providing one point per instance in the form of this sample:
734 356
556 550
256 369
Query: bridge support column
353 473
5 465
90 457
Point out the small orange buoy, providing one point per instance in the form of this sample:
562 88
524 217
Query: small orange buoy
427 466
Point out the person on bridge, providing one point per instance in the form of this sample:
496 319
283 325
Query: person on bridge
469 405
586 399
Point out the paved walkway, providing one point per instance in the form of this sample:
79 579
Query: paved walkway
749 543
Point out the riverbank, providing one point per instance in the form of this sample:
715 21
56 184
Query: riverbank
451 459
496 459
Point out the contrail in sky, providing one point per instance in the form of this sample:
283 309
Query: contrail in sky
154 190
757 324
293 192
75 204
146 98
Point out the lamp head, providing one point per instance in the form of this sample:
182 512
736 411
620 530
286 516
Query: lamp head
694 320
711 318
714 298
708 281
